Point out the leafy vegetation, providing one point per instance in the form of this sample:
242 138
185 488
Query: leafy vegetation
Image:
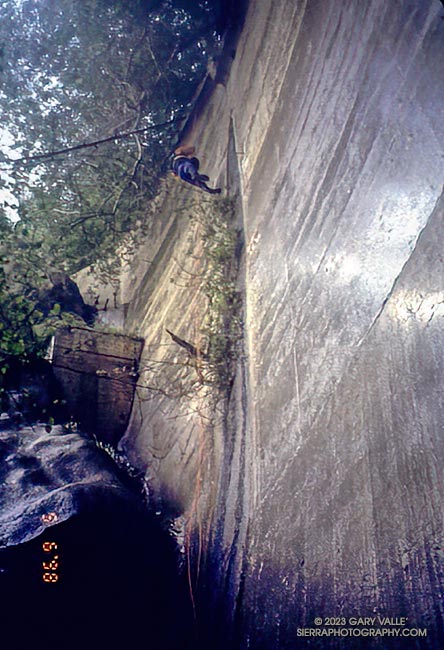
74 73
82 72
222 327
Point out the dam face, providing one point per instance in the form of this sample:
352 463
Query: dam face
343 210
328 489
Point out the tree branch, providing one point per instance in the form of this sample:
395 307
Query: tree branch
25 160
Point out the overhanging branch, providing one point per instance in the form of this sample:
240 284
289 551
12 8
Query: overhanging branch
25 160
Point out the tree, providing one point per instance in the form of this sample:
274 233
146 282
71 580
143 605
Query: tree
75 72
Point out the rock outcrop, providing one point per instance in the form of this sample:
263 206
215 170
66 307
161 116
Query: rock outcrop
61 290
82 562
55 471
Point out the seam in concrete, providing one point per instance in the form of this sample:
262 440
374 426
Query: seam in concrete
398 277
250 380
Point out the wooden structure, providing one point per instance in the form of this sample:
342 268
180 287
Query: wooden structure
98 372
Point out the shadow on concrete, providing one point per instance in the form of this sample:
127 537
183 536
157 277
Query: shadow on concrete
232 21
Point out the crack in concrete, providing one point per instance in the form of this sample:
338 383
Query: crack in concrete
398 277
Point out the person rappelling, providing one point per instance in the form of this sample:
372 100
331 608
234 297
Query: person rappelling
185 166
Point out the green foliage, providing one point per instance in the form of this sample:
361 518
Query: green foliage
24 329
77 72
222 327
25 326
17 315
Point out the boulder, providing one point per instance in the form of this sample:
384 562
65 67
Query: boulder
44 472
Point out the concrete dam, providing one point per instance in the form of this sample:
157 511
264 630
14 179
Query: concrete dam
309 493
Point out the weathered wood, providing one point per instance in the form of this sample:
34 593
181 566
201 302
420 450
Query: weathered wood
98 372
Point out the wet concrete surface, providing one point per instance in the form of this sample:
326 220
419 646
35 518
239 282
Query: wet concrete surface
330 482
342 198
345 280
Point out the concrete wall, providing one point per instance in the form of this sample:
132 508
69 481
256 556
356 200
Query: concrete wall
324 493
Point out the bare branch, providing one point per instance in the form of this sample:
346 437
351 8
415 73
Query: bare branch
25 160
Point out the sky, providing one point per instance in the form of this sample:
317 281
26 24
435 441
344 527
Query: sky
6 140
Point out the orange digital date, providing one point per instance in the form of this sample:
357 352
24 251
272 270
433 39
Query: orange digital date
50 566
50 577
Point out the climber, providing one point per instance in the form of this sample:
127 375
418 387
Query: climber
186 167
